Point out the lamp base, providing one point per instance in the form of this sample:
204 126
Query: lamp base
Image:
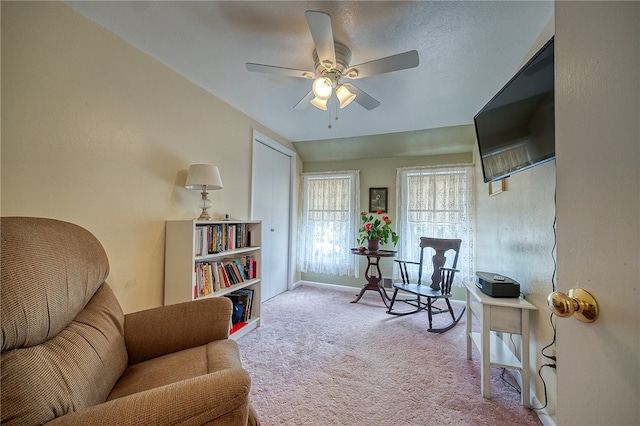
205 203
204 215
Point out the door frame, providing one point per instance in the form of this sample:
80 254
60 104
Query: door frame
265 140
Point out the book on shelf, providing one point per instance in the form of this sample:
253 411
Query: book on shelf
212 276
238 312
249 267
205 281
239 277
216 278
245 298
237 326
230 273
231 237
223 273
239 269
214 238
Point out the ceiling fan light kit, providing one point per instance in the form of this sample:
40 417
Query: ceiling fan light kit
322 88
319 103
344 95
331 60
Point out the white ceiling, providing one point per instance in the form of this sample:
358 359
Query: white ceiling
468 50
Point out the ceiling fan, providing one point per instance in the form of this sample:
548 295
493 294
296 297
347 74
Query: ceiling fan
331 60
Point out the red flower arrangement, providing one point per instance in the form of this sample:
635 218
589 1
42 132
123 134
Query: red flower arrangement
376 228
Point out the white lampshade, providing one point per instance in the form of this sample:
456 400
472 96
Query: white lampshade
203 176
344 95
319 103
321 87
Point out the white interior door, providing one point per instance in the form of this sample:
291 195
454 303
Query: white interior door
271 203
598 364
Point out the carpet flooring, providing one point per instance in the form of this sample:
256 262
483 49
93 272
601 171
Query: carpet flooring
318 359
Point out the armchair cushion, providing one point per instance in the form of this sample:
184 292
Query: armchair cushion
177 366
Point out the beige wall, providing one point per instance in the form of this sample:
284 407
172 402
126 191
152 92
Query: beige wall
377 173
97 133
515 238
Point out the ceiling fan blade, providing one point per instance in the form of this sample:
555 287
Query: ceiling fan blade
322 34
401 61
304 102
367 101
270 69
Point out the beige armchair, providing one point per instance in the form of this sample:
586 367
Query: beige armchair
70 355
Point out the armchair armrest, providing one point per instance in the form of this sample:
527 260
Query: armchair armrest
200 400
159 331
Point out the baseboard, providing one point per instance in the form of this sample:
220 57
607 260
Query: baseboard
542 414
544 417
324 285
350 288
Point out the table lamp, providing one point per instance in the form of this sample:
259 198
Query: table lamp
204 177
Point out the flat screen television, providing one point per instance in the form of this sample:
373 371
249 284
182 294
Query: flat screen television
516 129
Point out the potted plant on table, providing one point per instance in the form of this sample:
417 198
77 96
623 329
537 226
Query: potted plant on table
376 230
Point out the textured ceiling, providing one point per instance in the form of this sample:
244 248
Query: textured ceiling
467 50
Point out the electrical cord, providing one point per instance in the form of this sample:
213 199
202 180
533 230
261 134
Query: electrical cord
553 342
553 326
553 255
544 385
517 388
553 366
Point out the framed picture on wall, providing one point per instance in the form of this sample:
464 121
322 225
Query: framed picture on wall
377 199
497 187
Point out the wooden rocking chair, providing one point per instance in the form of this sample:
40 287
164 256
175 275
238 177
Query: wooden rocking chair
440 288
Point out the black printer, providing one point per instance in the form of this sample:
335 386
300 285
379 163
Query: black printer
497 285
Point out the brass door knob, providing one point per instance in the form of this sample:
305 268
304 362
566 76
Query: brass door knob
577 302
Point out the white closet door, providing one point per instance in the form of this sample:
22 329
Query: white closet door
271 190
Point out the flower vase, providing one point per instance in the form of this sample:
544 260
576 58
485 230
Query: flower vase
373 245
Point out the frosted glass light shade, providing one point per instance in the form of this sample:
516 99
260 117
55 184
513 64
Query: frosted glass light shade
321 87
319 103
344 95
203 176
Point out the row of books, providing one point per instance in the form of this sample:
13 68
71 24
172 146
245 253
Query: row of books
215 238
244 298
213 276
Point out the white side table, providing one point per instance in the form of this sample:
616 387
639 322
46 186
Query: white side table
501 315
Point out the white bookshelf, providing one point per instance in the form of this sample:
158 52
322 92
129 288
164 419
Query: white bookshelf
187 248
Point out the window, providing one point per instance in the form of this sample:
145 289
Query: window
328 223
436 202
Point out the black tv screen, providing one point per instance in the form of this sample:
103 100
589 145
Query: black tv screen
516 129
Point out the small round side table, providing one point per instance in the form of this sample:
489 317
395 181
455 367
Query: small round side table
373 273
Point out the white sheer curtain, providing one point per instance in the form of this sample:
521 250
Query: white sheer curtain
437 202
328 222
